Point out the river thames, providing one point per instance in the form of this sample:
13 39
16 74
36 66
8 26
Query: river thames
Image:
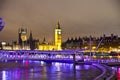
39 70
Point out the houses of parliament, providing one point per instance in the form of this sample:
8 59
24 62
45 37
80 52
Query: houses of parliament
29 43
58 41
24 42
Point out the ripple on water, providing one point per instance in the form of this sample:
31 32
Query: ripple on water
47 71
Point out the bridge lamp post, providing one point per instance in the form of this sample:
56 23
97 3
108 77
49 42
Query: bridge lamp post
90 46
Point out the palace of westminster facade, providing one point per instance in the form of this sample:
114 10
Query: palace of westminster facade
108 43
28 43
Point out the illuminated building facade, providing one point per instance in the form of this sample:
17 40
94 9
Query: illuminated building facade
108 44
25 42
22 37
58 36
58 41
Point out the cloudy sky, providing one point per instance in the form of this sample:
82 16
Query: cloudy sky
77 18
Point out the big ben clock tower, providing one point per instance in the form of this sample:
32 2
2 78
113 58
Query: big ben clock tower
58 36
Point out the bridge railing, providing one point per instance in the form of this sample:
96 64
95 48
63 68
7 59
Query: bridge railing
63 55
107 73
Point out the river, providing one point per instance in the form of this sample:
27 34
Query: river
39 70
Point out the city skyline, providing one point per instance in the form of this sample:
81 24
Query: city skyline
77 18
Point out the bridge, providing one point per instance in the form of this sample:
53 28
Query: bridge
64 55
59 56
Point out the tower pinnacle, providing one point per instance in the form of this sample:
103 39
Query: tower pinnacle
58 25
31 37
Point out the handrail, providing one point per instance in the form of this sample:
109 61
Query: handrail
103 71
107 72
113 75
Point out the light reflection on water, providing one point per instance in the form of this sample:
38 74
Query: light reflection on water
117 69
39 70
118 75
3 75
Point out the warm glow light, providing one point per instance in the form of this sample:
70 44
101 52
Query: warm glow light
23 37
101 56
3 43
94 56
93 47
119 57
110 57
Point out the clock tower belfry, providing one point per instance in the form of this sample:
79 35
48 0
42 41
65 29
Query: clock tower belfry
58 37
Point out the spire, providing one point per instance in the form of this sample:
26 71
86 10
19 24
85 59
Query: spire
58 25
30 37
44 41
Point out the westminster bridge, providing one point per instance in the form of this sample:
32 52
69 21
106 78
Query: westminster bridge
69 56
64 55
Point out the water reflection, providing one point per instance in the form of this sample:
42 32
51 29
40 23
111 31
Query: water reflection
38 70
118 75
3 75
117 69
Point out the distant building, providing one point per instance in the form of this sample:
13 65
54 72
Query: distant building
58 41
75 43
109 43
5 46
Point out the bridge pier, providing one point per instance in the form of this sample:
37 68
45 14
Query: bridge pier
74 58
74 65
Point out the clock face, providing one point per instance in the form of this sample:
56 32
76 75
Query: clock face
59 32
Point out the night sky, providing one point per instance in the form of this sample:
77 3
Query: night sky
77 18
